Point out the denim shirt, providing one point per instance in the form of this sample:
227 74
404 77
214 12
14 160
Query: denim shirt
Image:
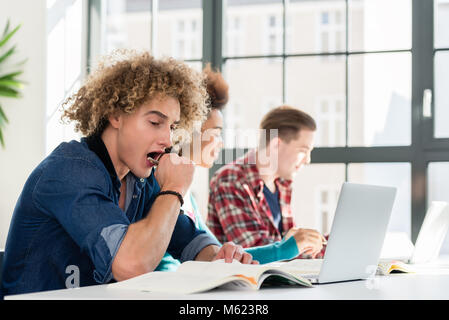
67 222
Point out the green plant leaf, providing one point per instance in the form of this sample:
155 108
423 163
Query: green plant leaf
9 92
3 117
10 76
21 63
6 30
3 121
2 141
11 83
8 36
7 54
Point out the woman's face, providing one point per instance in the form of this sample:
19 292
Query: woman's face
211 140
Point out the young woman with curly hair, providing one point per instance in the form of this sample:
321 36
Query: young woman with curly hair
95 211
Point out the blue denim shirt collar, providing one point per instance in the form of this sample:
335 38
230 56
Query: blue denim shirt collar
96 144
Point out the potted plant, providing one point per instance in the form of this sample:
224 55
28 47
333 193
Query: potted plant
9 84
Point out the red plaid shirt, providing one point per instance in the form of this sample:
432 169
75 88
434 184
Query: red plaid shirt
238 210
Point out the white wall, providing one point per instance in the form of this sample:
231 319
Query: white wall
25 134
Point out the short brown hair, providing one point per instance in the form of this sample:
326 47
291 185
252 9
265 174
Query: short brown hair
126 79
288 120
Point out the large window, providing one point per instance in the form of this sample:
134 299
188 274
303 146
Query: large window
165 28
126 24
372 73
336 59
66 60
347 63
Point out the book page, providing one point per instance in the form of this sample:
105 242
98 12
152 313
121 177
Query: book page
174 282
197 276
252 272
385 268
219 267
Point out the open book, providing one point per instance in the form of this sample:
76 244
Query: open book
198 276
394 266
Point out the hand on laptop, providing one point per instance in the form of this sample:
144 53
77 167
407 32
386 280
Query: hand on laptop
309 241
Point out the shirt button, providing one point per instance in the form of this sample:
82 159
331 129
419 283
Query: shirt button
142 180
134 196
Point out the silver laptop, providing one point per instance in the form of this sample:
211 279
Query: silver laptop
357 235
398 246
432 233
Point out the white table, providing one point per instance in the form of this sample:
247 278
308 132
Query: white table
428 284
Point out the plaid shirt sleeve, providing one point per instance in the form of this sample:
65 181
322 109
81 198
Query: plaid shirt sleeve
233 214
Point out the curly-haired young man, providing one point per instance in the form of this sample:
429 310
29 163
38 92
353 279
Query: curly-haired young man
95 211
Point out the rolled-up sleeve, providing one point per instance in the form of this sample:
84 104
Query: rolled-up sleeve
82 206
111 236
187 241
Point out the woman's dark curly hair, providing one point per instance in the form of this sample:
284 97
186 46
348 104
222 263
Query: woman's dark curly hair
217 88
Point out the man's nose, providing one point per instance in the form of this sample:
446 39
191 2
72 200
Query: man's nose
308 158
166 139
220 143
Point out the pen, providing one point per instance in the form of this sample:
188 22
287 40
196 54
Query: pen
156 162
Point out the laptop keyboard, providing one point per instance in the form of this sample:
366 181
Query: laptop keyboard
307 267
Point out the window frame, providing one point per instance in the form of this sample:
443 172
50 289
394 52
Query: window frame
424 148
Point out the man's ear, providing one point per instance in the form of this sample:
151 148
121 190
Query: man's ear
273 146
115 120
274 143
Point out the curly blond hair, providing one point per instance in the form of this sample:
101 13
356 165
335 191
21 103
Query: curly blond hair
125 79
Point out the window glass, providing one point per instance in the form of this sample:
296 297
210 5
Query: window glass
388 174
250 97
180 29
379 99
126 24
316 189
441 13
379 25
253 27
64 66
316 26
317 86
441 94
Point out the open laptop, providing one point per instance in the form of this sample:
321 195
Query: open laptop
356 237
398 246
432 233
